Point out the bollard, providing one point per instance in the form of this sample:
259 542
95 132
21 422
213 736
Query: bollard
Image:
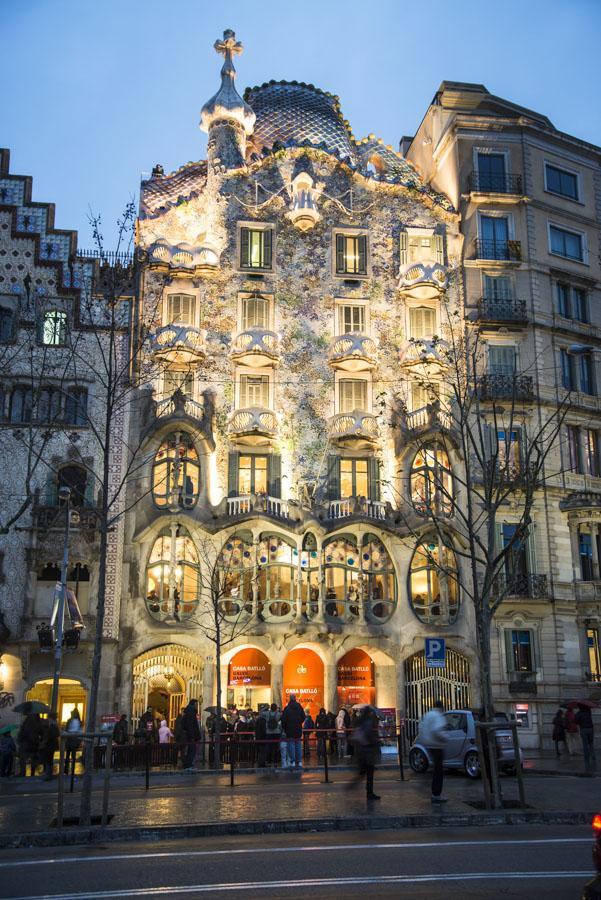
325 769
400 749
147 764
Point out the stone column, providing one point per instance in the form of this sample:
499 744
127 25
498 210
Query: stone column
575 550
594 537
277 683
330 685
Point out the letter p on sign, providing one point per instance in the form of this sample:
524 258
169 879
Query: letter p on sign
435 653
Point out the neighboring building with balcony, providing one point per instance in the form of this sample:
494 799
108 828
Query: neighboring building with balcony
529 203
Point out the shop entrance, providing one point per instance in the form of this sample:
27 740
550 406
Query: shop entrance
71 695
249 679
356 679
424 686
166 678
304 676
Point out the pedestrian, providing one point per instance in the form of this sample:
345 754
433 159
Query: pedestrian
8 748
28 739
121 731
559 731
273 730
292 723
308 728
584 720
147 726
284 760
366 741
571 729
165 733
74 730
191 732
341 733
432 730
261 737
321 725
332 732
49 745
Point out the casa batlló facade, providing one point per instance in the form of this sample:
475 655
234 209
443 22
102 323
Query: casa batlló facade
292 289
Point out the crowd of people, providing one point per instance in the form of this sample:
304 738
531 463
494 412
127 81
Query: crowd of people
37 743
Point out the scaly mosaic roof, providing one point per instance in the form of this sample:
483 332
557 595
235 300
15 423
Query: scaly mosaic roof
299 114
158 194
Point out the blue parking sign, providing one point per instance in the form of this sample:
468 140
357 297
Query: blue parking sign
435 653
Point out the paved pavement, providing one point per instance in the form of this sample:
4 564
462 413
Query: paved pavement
510 862
30 805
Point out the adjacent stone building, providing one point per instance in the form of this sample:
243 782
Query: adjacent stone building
291 287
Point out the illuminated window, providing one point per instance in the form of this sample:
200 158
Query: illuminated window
354 478
352 394
255 248
594 657
255 312
54 328
172 576
431 481
351 254
309 577
378 581
252 474
341 570
422 322
254 391
519 647
181 309
277 564
351 319
433 582
233 580
176 472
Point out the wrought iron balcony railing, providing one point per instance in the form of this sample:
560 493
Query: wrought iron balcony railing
49 518
510 251
535 587
522 682
501 309
500 386
503 183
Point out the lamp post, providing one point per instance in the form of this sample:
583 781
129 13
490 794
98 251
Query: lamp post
64 494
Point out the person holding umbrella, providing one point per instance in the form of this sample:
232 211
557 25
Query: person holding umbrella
584 721
30 734
8 748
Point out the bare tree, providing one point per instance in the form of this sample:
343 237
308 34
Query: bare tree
485 447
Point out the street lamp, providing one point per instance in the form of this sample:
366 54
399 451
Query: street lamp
64 494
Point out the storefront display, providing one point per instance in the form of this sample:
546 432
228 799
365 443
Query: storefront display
355 679
304 677
249 679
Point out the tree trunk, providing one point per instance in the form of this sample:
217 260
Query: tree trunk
217 755
483 622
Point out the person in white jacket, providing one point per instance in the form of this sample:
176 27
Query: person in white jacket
433 734
341 734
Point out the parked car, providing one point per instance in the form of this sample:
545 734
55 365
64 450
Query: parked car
461 750
592 889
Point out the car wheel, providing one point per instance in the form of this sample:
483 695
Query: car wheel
418 760
510 770
471 764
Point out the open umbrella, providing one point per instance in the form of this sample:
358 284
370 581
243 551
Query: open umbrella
214 710
590 704
31 706
9 729
379 714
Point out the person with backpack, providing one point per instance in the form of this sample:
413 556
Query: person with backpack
308 728
292 723
273 730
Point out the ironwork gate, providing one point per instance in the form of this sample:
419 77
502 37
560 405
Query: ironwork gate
173 668
424 686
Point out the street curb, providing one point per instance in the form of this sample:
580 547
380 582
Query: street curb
69 837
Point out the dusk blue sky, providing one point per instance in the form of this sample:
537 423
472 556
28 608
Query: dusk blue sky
95 93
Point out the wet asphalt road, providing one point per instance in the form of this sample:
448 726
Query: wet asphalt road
493 862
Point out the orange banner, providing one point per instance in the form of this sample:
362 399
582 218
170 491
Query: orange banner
251 668
303 676
356 669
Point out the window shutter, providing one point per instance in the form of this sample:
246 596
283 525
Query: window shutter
232 473
274 475
362 253
509 651
267 244
373 470
245 247
403 248
439 247
333 477
340 266
51 490
89 491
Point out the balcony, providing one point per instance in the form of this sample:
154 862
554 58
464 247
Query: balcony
256 347
179 344
499 386
356 506
178 405
356 428
588 591
353 353
423 280
534 587
52 518
253 426
502 251
581 500
503 183
522 683
506 310
427 418
260 504
432 353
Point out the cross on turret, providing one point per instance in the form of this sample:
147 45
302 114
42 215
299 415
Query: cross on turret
229 46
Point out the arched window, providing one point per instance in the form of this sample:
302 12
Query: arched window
431 481
277 567
76 479
309 577
176 472
379 580
341 569
54 328
233 578
433 582
172 576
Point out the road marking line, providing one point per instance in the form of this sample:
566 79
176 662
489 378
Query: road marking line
173 854
304 883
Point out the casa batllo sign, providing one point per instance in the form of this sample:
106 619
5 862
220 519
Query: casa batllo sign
250 668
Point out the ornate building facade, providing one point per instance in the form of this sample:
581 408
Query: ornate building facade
292 289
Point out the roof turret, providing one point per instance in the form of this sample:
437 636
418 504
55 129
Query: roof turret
227 102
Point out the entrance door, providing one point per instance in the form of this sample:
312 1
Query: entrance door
176 701
424 686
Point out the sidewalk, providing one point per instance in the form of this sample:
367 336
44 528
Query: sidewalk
196 805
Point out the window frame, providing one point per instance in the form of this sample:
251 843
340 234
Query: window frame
342 377
350 233
262 227
340 303
510 651
555 226
563 170
266 378
196 312
7 312
243 298
57 313
190 461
